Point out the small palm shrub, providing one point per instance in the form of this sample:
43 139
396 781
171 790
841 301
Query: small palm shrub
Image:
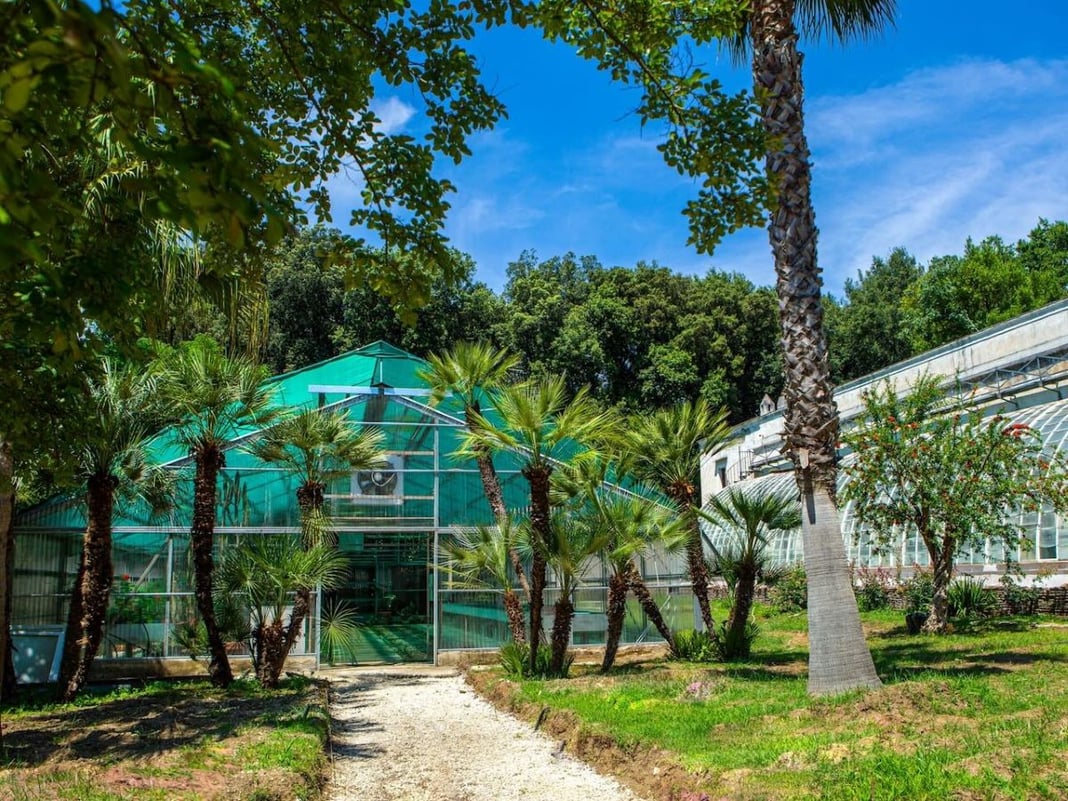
514 658
338 631
731 645
968 598
695 646
789 593
872 588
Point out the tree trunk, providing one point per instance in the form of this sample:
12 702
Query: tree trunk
648 603
514 612
839 658
941 576
564 613
209 460
74 636
97 577
310 498
270 644
695 557
617 613
7 538
491 486
735 644
9 683
541 531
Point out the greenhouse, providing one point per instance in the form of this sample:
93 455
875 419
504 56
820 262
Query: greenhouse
390 524
1044 533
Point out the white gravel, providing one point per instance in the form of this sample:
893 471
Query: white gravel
431 738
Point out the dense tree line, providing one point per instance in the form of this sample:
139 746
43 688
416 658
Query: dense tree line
646 337
899 307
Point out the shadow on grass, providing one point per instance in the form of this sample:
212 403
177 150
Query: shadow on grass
154 724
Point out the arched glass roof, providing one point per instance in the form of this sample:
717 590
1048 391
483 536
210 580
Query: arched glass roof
1046 531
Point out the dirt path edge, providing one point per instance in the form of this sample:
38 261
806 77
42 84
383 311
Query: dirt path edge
649 772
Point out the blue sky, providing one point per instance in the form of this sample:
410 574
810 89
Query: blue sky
954 124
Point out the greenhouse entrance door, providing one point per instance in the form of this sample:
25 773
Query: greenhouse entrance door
387 590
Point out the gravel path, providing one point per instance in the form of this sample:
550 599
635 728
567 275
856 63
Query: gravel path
431 738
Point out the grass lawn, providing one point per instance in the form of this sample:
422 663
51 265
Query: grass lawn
978 714
169 740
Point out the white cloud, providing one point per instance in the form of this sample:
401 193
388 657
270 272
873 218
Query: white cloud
393 114
972 149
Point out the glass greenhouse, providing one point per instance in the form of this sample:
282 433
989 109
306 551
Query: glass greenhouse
390 524
1044 534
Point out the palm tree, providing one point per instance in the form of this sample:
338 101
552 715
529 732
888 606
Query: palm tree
635 526
631 524
263 573
122 414
481 557
748 519
214 398
318 446
574 542
538 424
468 371
839 658
667 448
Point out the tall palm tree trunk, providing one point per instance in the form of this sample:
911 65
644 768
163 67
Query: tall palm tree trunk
96 578
648 604
839 658
540 524
563 615
616 614
209 460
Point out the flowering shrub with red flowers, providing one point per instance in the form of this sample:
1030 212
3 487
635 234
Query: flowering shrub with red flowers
925 463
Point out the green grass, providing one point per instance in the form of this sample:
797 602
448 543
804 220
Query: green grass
168 740
978 714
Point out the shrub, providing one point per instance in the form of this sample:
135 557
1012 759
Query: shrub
872 588
789 593
1019 599
969 598
695 646
514 658
736 645
918 591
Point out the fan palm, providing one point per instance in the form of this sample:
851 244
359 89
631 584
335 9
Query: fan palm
839 658
121 416
213 397
632 525
264 572
748 519
318 446
573 543
538 424
468 371
481 557
666 452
